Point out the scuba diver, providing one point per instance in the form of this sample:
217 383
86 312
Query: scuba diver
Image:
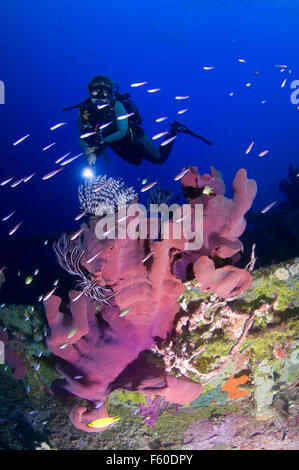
108 118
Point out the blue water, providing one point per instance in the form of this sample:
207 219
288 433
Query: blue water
51 49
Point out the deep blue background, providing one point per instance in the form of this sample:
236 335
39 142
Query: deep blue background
50 49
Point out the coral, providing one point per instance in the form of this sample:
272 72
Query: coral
153 408
102 344
282 274
232 384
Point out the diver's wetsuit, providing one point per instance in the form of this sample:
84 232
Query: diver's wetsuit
128 141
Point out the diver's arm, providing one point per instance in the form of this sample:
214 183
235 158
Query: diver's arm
122 124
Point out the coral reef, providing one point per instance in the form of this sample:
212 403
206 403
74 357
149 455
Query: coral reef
102 344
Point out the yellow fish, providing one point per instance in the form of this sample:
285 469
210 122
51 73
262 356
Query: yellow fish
207 190
28 280
103 422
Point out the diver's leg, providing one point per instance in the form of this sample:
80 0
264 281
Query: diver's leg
149 151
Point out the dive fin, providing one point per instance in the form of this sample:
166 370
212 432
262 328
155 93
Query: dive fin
178 127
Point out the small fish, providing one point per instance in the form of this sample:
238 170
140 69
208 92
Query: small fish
49 146
90 260
55 282
63 346
249 147
147 257
100 186
40 354
52 173
207 190
37 367
72 333
6 181
87 134
161 119
19 272
66 162
105 125
15 228
103 422
46 242
181 174
182 111
124 312
264 101
148 186
77 297
255 73
76 234
79 216
231 93
124 116
157 136
29 177
27 389
153 90
78 377
267 208
21 139
101 106
280 66
168 141
16 183
181 97
248 84
177 221
134 85
99 405
48 295
283 83
56 126
144 181
261 154
241 60
208 68
5 368
28 280
62 158
26 318
40 298
8 216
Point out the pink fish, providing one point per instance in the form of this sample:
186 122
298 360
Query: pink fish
148 186
157 136
263 153
249 147
15 228
29 177
90 260
63 157
52 173
65 162
16 183
181 174
76 234
79 216
48 295
267 208
168 141
8 216
6 181
97 188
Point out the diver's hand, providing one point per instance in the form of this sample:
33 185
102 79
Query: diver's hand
91 158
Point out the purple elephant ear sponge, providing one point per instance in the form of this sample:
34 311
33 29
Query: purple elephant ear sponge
129 299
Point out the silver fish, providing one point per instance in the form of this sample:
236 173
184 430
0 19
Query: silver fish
21 139
267 208
56 126
52 173
148 186
49 146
